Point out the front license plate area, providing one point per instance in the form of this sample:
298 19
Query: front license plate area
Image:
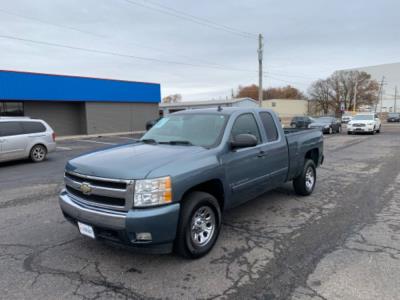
86 230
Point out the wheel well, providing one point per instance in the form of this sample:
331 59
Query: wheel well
40 145
314 155
213 187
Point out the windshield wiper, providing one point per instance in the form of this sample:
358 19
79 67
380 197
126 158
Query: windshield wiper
177 142
149 141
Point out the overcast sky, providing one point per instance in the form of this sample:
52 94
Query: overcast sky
304 40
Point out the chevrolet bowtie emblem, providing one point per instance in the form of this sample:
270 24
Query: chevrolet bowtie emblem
86 188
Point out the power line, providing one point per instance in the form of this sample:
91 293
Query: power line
48 23
104 36
203 19
283 80
173 12
117 54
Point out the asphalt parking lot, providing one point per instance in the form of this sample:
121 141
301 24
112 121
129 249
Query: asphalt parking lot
343 242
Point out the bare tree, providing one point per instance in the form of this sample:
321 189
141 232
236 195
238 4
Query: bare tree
172 98
320 92
342 86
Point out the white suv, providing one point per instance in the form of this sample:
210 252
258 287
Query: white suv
364 122
25 138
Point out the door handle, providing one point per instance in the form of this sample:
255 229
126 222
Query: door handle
262 153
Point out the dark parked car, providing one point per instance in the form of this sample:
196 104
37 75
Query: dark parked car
169 190
327 125
301 122
393 117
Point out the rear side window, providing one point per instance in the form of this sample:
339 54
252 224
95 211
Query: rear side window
246 124
11 128
269 126
33 127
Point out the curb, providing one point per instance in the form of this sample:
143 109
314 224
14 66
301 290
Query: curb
97 135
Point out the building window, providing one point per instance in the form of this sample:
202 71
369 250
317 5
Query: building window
11 108
273 104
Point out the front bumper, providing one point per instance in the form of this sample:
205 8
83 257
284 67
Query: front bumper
360 129
122 227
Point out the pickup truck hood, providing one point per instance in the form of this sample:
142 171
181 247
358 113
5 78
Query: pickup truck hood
134 161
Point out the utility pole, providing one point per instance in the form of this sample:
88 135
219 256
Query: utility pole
381 93
395 98
355 95
260 68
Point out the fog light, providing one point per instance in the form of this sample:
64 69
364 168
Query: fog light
143 236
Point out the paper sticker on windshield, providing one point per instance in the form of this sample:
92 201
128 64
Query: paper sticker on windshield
161 123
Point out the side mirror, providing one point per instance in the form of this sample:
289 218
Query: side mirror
244 140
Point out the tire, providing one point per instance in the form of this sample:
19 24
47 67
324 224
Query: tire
304 184
38 153
379 130
196 206
349 132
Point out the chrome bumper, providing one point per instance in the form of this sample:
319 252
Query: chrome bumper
102 218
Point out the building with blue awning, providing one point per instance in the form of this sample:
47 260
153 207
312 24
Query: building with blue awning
79 105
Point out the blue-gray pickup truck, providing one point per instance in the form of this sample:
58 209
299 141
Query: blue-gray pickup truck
168 190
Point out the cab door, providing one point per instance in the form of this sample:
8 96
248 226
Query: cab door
243 168
275 152
13 141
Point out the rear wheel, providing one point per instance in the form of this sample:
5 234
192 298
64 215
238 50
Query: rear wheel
305 183
38 153
199 225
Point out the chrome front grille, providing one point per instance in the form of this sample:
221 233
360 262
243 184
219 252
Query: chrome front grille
114 194
358 125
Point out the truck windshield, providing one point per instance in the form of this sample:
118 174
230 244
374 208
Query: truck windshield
191 129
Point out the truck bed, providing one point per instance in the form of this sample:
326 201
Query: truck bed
300 141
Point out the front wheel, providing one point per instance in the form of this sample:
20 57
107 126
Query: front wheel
199 225
379 130
305 183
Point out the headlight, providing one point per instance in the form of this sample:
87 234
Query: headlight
150 192
371 123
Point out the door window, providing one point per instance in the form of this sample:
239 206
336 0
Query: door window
246 123
269 126
10 128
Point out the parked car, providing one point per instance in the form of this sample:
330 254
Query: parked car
364 122
25 138
151 123
393 117
168 190
346 118
301 122
327 125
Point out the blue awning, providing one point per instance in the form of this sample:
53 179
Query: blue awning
24 86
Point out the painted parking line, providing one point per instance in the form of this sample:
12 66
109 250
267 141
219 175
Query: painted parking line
63 148
97 142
